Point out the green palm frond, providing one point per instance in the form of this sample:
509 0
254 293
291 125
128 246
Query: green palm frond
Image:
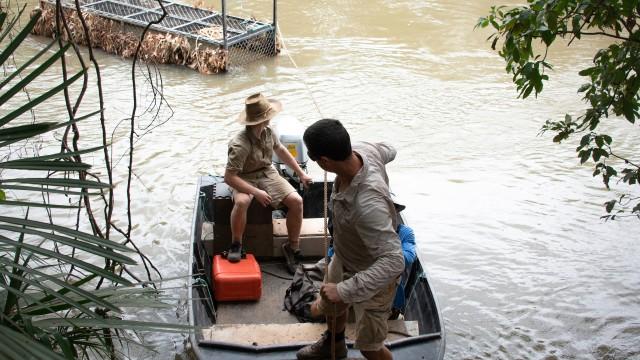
114 323
14 345
60 287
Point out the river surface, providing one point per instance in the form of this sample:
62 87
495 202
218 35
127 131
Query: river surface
508 223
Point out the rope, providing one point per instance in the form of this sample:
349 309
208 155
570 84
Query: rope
313 99
325 202
326 260
325 209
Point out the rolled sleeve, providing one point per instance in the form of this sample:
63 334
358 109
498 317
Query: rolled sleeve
236 156
387 152
374 226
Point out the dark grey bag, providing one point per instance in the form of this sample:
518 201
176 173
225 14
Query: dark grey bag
303 291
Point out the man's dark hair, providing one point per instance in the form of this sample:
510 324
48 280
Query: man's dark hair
327 137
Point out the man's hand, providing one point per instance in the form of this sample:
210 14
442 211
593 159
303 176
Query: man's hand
329 291
262 197
305 179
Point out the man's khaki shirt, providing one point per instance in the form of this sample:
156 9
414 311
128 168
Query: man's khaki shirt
249 156
364 223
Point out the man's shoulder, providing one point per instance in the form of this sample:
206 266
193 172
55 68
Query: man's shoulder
380 150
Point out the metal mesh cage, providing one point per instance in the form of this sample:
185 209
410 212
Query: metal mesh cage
246 39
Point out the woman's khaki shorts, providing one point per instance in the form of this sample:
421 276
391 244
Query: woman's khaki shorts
371 315
272 183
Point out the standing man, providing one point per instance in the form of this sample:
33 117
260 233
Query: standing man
368 257
250 175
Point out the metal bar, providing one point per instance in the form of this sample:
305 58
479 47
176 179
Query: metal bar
245 36
275 25
224 23
275 15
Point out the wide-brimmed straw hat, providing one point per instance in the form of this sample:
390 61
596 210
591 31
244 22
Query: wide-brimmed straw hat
257 109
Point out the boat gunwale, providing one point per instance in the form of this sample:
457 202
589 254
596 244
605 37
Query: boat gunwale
418 339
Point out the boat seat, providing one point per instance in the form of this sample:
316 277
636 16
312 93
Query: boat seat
299 333
311 236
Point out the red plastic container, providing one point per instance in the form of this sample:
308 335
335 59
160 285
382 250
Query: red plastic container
239 281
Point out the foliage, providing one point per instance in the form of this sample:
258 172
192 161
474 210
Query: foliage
612 81
55 300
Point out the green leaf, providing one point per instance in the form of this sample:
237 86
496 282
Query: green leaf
67 231
25 131
40 99
609 205
19 37
66 155
47 190
607 139
38 205
584 156
43 286
2 195
71 260
67 287
65 345
27 64
97 250
71 183
567 119
587 71
585 140
628 110
3 17
494 42
13 23
31 76
575 23
548 37
14 345
114 324
599 141
44 165
16 134
584 87
596 154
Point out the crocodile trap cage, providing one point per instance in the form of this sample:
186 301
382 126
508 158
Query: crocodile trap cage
204 40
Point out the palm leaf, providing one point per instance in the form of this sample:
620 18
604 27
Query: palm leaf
40 99
26 64
23 132
72 183
67 231
31 76
66 155
13 23
45 165
34 204
20 36
46 190
114 324
65 287
3 17
68 259
97 250
14 345
45 287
